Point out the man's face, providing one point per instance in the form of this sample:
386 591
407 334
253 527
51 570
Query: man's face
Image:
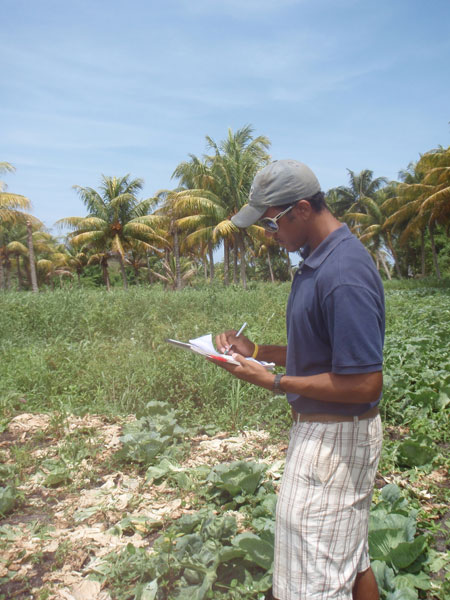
292 229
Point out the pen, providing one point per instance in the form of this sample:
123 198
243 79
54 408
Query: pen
237 335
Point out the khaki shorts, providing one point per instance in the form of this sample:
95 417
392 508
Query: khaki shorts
323 509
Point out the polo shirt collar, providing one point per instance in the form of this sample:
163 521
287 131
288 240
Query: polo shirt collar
324 249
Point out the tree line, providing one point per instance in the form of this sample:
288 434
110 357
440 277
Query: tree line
172 236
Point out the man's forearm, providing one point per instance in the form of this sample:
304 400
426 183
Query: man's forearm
330 387
276 354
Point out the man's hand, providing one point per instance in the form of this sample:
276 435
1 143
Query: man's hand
248 370
227 341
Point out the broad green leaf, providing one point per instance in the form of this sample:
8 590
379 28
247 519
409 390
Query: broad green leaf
382 541
412 453
390 493
194 592
257 550
409 580
8 499
237 477
228 553
383 574
150 590
443 399
406 594
406 553
392 522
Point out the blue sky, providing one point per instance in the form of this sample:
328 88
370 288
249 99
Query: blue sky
108 87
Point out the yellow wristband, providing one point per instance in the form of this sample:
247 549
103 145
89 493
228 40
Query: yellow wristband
255 351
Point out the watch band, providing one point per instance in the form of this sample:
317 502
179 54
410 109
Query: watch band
276 384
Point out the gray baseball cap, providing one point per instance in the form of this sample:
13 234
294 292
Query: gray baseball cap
280 182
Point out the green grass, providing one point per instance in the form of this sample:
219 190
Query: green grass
89 351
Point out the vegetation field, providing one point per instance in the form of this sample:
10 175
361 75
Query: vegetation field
130 469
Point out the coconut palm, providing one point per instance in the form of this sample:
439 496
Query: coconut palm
371 227
11 211
175 276
11 205
218 188
344 199
76 260
112 224
423 201
234 165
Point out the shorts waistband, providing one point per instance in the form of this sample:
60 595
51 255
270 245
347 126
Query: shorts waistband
327 418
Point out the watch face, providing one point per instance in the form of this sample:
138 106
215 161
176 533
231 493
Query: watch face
276 384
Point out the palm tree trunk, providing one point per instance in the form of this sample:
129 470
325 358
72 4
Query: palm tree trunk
235 262
390 245
176 254
422 250
385 267
149 272
2 275
226 262
205 266
34 284
211 261
243 262
272 278
433 249
19 273
123 272
104 264
8 274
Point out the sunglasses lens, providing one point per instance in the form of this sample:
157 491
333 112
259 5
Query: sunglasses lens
269 225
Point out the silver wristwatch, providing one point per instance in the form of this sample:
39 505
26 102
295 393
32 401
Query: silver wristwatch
276 384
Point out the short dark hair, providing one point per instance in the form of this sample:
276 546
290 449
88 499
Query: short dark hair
317 202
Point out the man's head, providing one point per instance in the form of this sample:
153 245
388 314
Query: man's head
279 184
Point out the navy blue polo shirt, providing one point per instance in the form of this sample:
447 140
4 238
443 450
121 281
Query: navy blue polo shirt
335 318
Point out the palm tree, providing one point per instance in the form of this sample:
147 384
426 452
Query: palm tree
423 201
76 260
11 205
11 211
234 165
175 276
344 199
372 229
218 188
112 224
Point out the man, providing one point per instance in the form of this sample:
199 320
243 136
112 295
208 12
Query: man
333 382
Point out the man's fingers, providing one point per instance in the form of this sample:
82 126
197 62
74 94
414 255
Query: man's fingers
225 340
241 359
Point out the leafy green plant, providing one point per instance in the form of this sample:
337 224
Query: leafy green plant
154 434
416 452
235 480
9 497
398 555
197 557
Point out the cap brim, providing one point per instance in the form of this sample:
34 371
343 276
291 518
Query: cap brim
248 215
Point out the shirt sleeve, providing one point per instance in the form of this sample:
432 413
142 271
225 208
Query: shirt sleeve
355 320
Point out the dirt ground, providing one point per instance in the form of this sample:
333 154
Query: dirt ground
58 533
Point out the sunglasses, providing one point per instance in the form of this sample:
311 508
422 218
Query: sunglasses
270 224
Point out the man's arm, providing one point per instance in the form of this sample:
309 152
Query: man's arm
328 387
275 354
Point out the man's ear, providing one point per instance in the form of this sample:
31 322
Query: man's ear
303 208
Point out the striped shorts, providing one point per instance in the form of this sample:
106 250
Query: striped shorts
323 509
